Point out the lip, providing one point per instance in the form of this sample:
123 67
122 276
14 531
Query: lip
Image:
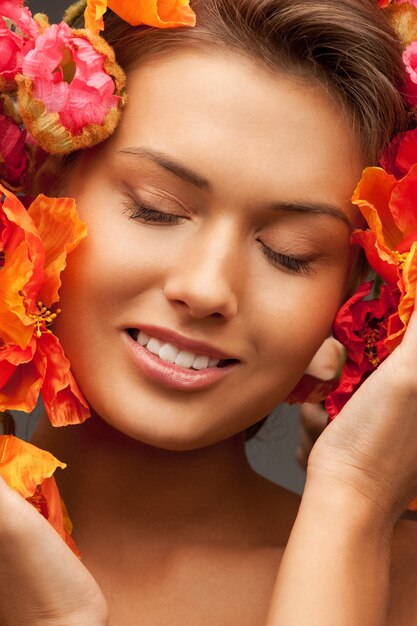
170 336
171 375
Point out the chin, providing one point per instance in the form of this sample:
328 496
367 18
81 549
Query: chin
172 437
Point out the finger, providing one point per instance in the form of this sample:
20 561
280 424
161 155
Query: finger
301 458
328 360
47 579
313 419
304 448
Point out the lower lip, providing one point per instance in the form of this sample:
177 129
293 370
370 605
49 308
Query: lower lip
170 375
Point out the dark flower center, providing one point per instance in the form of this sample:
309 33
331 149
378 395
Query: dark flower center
370 334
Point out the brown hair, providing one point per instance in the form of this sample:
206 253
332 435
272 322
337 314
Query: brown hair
347 45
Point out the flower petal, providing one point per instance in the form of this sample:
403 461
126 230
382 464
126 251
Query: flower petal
361 325
29 471
61 231
13 155
22 272
63 400
21 379
401 154
71 92
93 15
48 502
159 13
402 203
311 389
18 31
16 214
372 196
380 258
24 466
406 305
15 327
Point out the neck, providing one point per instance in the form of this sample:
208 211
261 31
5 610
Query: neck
128 483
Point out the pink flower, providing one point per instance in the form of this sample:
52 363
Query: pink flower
13 154
20 15
14 44
67 73
410 62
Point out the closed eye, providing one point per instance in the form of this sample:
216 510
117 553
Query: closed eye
289 263
146 213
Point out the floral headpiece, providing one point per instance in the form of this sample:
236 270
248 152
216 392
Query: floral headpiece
61 90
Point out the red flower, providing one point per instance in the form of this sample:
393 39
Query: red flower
34 245
13 153
390 243
401 153
362 327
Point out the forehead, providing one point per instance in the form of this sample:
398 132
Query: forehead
242 126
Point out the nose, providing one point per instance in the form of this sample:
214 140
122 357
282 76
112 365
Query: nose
206 278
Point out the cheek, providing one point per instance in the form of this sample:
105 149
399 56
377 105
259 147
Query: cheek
297 321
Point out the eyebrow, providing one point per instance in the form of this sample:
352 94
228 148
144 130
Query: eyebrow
184 172
319 208
172 166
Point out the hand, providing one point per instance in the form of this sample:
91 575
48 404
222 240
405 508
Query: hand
313 418
41 581
371 446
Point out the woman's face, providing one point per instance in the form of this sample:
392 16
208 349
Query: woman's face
219 222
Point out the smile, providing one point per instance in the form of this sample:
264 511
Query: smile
173 354
171 365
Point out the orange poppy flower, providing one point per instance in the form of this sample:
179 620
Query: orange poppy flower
390 243
34 244
28 470
158 13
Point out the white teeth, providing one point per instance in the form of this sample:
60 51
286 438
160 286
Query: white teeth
142 338
185 359
172 354
154 346
168 353
201 362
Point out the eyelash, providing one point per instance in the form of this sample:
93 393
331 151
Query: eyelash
148 214
294 265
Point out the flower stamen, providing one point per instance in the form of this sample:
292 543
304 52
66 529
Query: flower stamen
401 258
43 319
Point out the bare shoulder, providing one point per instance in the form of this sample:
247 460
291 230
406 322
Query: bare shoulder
403 602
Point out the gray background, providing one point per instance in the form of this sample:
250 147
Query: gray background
272 451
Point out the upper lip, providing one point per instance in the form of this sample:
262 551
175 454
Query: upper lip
191 345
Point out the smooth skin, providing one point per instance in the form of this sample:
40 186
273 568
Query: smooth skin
174 526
